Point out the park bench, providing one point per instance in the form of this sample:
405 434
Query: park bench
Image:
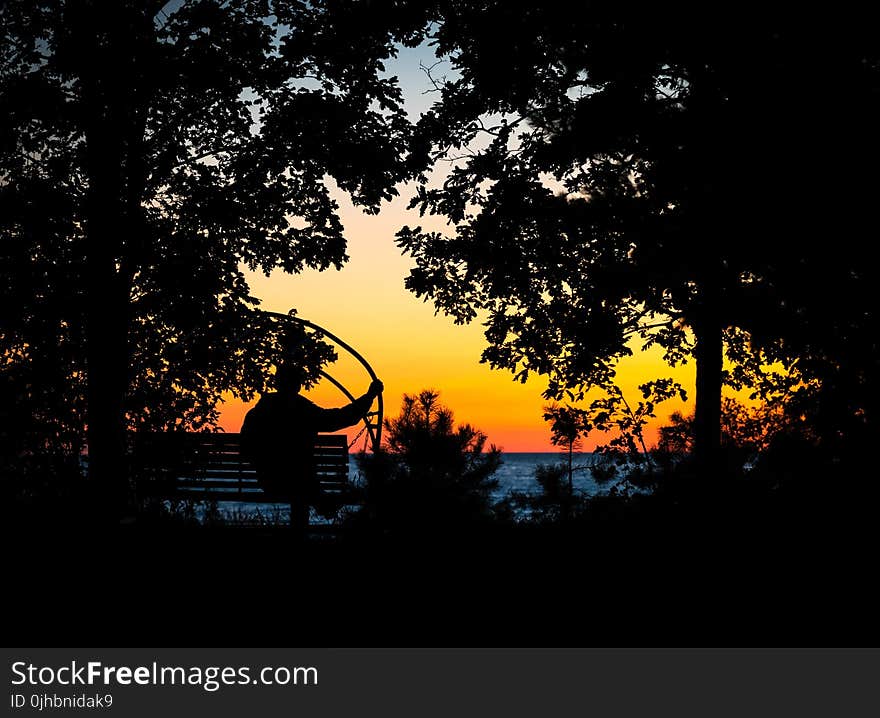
208 467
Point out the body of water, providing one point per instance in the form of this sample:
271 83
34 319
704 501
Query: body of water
517 472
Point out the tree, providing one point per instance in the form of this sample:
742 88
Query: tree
626 421
567 425
152 150
622 421
639 171
431 473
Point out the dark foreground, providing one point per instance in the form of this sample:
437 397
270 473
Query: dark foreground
795 576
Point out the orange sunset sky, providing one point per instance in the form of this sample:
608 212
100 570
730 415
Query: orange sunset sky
410 347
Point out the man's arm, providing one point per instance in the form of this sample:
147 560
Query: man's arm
336 419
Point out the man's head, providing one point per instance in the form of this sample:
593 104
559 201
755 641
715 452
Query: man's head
289 378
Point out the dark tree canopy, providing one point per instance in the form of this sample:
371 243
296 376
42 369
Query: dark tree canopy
151 151
647 170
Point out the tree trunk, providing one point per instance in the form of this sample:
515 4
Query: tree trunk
105 329
707 415
117 38
107 292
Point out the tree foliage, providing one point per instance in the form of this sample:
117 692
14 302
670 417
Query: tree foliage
621 422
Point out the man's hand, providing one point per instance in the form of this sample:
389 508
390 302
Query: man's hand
376 388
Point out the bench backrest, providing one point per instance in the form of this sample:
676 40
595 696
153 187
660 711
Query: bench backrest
209 466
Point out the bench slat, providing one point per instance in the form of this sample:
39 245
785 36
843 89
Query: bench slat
209 467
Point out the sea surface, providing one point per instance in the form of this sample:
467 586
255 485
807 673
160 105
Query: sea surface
517 473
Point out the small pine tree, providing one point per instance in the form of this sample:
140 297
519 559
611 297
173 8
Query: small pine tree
567 426
431 472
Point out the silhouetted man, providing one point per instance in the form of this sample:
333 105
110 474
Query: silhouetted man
278 438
